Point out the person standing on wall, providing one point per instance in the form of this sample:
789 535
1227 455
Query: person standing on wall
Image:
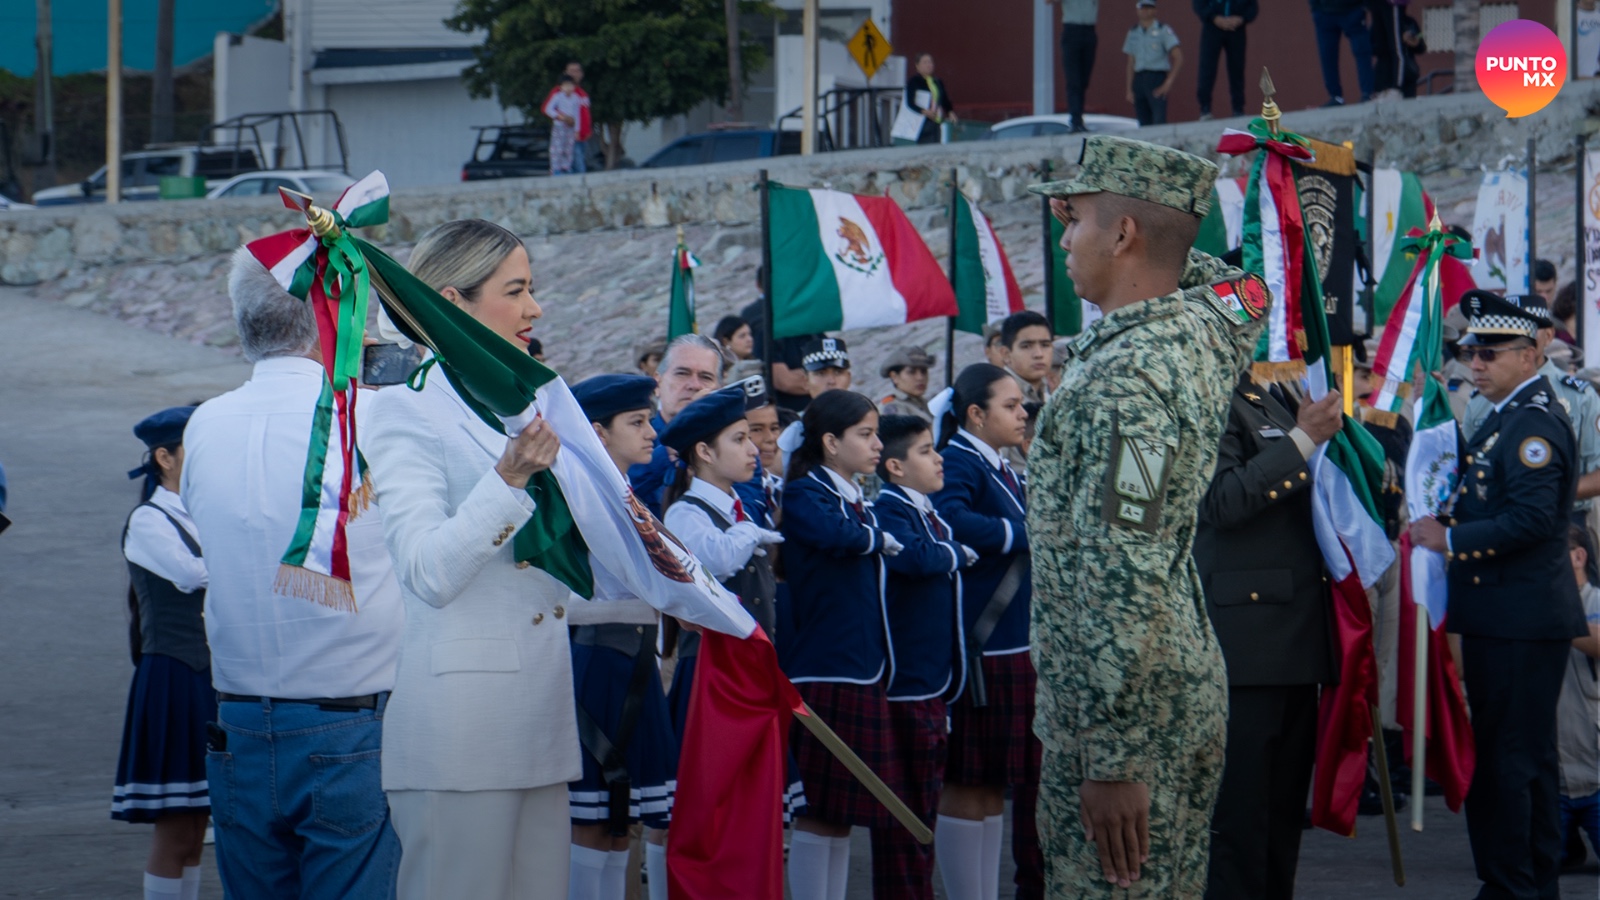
1154 59
1222 25
1078 43
925 94
584 124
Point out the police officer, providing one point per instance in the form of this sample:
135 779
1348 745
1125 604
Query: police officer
1513 598
1578 400
1132 702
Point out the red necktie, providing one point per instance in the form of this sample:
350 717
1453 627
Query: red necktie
1010 478
738 512
933 523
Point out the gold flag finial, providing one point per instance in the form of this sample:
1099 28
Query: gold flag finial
319 220
1269 107
680 234
1434 224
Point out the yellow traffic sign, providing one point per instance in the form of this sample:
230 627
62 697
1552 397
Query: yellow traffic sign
869 47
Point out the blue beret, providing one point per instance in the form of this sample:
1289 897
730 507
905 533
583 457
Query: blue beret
164 428
704 419
603 396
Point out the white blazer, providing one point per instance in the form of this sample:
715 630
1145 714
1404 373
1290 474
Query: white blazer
483 699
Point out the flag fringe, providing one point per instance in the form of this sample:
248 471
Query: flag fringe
324 590
1277 372
1379 417
361 498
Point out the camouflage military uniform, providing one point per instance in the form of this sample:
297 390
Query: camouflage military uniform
1131 679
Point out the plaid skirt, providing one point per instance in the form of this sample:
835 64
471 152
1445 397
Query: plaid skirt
859 714
922 743
994 745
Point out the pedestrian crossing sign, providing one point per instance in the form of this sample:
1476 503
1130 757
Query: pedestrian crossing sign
869 48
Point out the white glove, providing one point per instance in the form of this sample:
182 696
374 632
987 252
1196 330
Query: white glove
971 554
891 547
768 537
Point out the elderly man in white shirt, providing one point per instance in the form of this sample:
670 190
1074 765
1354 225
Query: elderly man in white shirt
294 776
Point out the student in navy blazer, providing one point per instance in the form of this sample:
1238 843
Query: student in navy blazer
991 725
833 556
923 598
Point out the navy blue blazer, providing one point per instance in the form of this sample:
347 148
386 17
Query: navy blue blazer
753 495
990 519
832 559
927 641
649 480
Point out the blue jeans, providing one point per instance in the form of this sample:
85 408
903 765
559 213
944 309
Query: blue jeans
298 804
580 158
1585 813
1352 25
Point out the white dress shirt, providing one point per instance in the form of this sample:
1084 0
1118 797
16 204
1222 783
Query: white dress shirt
723 553
244 462
846 487
153 544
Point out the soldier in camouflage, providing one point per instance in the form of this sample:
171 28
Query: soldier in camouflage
1132 696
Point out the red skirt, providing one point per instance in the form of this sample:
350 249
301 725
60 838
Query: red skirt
994 745
859 714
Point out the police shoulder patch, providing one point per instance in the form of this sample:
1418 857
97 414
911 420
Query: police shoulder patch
1578 384
1534 453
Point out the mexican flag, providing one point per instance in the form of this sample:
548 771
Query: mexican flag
845 261
986 291
1398 205
680 306
1347 471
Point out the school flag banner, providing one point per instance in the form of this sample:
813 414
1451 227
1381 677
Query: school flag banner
1500 232
1589 277
1347 470
1398 205
680 306
986 290
843 261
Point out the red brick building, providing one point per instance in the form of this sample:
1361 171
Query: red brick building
983 49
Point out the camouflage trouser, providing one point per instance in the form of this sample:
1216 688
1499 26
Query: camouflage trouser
1182 794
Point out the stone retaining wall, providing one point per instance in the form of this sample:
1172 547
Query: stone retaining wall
1426 135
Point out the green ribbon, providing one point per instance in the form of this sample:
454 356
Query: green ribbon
345 275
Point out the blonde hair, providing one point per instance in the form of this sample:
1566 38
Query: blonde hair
461 254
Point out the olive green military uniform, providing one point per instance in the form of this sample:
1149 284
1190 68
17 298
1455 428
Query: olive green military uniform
1131 679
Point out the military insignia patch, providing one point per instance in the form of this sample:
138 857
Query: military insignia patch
1534 453
1136 481
1245 298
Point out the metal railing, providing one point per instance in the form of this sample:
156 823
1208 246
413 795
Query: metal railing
848 118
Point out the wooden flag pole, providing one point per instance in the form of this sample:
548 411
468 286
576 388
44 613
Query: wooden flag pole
863 773
768 327
1581 257
1049 252
950 324
1386 791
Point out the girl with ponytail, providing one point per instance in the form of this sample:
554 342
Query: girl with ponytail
839 652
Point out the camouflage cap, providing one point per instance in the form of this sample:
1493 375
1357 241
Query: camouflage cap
1139 169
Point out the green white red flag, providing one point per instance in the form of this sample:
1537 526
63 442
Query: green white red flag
986 290
680 307
845 261
1399 204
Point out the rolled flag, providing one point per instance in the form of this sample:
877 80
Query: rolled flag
1399 204
842 261
680 307
321 266
986 290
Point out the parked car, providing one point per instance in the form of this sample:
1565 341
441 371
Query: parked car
518 151
142 172
724 146
325 186
7 204
1038 126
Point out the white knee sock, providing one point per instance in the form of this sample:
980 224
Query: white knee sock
958 845
838 867
191 883
809 860
588 867
993 831
158 888
655 865
614 881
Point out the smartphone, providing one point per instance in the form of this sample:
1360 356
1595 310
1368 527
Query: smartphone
383 364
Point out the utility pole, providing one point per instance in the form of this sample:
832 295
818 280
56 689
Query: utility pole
161 100
44 104
735 64
113 101
1044 58
808 77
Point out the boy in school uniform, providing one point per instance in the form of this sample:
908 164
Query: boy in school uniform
923 601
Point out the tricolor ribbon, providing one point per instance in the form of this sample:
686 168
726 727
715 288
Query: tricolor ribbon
1414 334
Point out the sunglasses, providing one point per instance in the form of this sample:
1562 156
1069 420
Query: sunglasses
1487 354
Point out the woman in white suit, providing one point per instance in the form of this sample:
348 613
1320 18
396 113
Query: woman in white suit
479 739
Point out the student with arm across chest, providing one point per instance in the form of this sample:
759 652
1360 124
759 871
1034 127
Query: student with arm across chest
923 599
991 724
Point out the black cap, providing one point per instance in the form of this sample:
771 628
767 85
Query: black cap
825 353
755 391
1493 319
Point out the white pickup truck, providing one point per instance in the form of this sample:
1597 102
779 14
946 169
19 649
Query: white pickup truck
143 170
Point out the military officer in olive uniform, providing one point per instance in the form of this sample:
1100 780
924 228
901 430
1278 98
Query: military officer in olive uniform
1578 400
1513 598
1132 699
1257 552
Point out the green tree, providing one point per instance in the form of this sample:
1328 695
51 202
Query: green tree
642 59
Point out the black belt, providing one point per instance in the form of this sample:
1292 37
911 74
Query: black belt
327 704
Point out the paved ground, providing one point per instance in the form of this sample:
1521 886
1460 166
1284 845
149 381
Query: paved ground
74 384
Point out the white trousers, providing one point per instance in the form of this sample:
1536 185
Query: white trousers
483 844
